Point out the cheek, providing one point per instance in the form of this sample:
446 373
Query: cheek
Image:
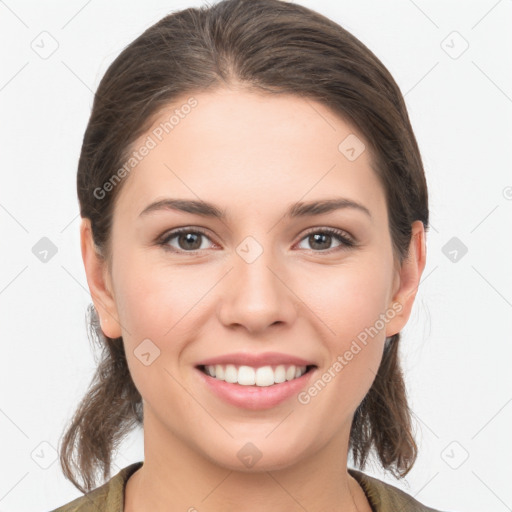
158 309
352 307
158 302
154 319
153 300
165 305
349 299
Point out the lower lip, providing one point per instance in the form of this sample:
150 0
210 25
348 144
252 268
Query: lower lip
255 397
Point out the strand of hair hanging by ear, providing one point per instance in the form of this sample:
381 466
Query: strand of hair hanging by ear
109 410
382 421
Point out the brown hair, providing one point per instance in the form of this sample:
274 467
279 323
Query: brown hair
267 46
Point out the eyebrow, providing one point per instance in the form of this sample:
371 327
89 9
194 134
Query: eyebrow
300 209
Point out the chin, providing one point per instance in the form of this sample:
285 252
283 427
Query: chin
258 455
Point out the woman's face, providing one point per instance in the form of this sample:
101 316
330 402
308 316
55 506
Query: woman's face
259 278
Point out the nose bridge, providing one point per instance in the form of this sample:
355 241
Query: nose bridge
256 295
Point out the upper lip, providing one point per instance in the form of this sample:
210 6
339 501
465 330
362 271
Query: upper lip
256 360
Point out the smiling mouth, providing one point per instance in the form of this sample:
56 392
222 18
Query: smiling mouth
250 376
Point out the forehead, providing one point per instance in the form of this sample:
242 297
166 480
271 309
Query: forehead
245 147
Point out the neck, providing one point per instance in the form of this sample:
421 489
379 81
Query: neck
177 475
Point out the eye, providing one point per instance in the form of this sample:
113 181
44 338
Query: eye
187 240
321 239
191 240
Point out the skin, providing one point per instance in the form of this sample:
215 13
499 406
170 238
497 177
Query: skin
253 156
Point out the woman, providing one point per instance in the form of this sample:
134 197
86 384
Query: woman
254 211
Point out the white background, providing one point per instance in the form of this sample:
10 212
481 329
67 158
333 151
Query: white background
456 346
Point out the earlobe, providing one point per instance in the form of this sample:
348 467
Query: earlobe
409 276
98 282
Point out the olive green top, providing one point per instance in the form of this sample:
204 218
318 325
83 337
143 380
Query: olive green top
382 496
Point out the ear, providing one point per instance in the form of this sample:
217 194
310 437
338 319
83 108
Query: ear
99 281
407 280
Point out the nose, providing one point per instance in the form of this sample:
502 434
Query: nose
257 294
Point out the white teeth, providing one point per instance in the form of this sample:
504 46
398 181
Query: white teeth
290 373
219 371
249 376
246 376
264 376
280 374
231 374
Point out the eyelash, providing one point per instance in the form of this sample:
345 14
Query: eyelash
346 241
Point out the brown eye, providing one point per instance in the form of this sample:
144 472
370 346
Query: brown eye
321 240
187 240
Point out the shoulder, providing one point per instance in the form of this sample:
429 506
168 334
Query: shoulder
107 498
384 497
